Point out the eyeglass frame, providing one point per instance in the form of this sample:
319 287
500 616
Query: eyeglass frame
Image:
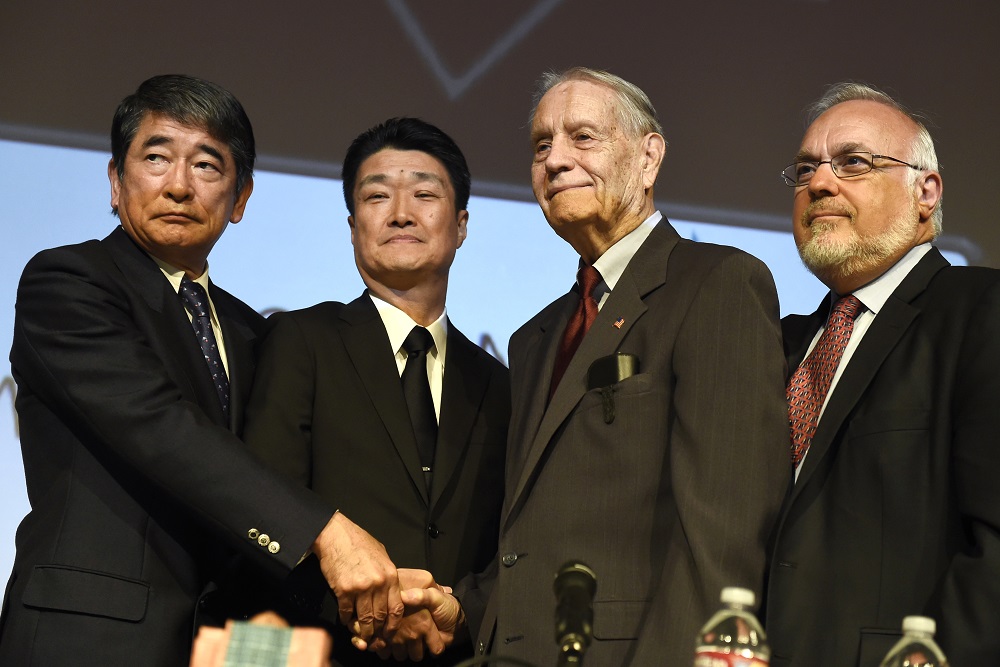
793 184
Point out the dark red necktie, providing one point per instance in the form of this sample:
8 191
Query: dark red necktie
587 279
811 381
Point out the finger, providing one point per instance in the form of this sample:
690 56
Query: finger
364 606
345 606
415 649
359 643
395 607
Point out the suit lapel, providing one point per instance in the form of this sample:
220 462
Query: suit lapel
623 308
895 318
173 328
368 347
236 337
466 377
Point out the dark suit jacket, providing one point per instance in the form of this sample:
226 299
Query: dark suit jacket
138 488
328 410
676 497
897 507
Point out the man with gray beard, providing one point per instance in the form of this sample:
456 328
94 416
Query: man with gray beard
894 405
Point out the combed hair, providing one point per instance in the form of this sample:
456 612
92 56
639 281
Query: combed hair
189 101
635 111
408 134
922 152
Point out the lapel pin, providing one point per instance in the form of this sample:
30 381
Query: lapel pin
619 322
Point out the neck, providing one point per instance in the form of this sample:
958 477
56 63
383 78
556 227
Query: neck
592 239
423 303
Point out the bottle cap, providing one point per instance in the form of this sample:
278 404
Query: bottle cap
741 596
919 624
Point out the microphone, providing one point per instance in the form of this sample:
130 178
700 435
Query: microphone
575 586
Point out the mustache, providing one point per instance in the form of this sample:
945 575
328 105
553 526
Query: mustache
826 205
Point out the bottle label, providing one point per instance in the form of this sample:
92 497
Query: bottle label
712 658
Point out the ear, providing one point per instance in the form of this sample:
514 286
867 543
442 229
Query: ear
116 184
654 147
241 202
463 221
931 188
350 223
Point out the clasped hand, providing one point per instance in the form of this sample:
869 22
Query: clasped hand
389 611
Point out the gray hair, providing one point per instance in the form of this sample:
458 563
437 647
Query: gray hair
922 152
635 111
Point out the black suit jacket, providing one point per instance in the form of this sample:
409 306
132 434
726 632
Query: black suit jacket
897 507
672 500
138 488
328 410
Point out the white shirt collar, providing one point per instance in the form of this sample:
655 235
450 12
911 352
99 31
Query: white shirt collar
615 259
877 292
398 325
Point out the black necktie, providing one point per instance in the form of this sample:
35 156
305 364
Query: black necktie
196 301
417 390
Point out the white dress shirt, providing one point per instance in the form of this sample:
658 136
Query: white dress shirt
175 275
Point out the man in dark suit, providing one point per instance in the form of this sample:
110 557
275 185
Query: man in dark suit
133 370
896 508
654 458
329 408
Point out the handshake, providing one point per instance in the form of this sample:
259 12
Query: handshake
392 612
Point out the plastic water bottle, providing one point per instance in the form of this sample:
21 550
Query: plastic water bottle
917 648
733 637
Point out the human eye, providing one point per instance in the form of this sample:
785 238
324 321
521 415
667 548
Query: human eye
852 164
803 171
542 148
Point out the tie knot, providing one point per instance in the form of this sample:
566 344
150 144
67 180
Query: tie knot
419 340
194 297
847 307
588 277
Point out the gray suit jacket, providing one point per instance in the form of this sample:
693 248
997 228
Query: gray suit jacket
675 497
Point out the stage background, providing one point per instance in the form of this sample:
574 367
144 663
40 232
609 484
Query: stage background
729 78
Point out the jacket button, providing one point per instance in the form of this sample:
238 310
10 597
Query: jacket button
274 547
433 531
481 647
508 559
253 533
263 540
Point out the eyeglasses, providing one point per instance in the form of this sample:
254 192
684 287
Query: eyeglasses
846 165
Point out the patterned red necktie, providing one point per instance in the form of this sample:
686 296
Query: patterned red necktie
586 312
811 381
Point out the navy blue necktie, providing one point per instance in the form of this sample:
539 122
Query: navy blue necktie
417 391
196 301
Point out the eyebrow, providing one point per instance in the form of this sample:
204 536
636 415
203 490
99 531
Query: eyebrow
417 176
839 149
161 140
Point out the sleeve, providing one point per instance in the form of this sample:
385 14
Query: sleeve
970 592
729 459
98 360
278 424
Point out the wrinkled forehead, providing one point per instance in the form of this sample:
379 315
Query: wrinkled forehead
859 125
575 102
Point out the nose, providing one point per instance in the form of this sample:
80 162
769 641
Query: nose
824 182
401 215
178 184
558 157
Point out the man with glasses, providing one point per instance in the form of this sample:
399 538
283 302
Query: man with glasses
893 405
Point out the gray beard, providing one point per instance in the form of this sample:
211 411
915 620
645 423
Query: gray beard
856 254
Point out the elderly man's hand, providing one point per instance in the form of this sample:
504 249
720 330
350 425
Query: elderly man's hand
358 570
418 631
